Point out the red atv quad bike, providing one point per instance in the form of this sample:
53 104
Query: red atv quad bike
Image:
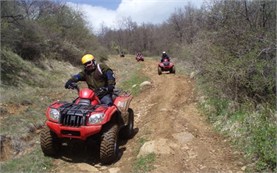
166 66
139 58
86 118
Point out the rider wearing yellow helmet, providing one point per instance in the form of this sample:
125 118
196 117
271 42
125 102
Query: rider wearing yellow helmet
96 76
87 58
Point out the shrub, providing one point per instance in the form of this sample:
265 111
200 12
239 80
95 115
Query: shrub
252 130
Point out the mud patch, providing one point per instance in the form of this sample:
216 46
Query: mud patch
6 148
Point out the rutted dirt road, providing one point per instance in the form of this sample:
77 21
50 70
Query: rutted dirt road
167 120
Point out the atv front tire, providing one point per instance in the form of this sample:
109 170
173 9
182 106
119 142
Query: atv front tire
49 142
172 70
109 145
159 70
128 130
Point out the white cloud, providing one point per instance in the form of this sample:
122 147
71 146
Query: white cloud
140 11
96 16
146 11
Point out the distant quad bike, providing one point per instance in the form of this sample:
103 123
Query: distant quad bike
166 66
139 58
86 118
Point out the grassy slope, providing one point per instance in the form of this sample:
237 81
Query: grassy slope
26 91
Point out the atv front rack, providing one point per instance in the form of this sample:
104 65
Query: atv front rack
74 114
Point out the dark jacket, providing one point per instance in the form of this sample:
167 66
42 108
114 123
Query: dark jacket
102 76
164 56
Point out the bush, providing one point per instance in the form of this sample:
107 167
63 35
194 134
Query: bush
47 30
262 127
254 131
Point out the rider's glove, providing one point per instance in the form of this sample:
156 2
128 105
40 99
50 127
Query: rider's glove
110 88
68 84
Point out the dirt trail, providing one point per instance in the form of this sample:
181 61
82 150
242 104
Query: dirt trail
166 116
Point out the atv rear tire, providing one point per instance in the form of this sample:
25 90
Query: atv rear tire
49 142
159 70
109 145
128 130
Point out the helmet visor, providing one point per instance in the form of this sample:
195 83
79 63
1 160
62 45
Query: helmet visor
89 64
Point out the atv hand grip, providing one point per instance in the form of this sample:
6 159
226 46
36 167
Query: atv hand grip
73 86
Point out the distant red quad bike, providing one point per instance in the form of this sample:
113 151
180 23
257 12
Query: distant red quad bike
139 58
166 66
85 117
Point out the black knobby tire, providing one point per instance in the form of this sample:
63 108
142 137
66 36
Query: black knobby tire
159 70
109 145
173 70
49 142
128 130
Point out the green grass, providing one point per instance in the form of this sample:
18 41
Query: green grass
140 144
128 74
32 162
252 131
144 163
29 107
132 84
26 92
21 122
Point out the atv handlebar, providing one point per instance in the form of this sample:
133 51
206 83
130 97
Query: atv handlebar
99 92
74 86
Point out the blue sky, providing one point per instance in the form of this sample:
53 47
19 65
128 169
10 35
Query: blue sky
111 13
109 4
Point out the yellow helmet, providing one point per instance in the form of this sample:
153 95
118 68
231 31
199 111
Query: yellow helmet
87 58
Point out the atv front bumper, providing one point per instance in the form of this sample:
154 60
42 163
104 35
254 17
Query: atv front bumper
82 132
166 68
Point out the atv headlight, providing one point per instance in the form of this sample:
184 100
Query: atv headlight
96 118
54 114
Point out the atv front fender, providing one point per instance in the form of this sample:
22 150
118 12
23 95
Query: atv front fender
123 103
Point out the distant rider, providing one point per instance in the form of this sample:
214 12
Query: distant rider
139 55
164 56
96 76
